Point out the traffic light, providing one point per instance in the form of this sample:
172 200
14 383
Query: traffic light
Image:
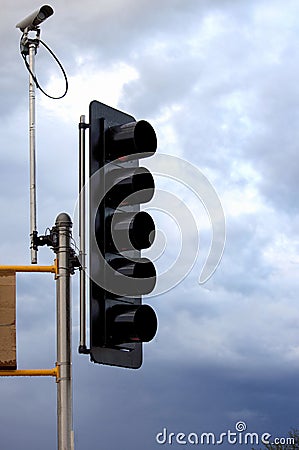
119 275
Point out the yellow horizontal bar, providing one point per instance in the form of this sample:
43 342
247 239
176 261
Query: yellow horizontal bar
30 373
51 269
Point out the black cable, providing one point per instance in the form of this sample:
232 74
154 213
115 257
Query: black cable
24 56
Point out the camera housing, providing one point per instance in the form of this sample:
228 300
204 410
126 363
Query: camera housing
32 21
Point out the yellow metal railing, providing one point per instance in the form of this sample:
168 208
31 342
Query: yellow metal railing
31 373
32 268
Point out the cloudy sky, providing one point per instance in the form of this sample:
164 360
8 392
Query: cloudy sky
218 79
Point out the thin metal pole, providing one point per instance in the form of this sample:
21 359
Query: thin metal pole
64 383
82 249
33 231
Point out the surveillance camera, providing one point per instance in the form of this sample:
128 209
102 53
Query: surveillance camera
31 22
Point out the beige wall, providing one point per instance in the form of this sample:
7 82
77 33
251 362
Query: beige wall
8 320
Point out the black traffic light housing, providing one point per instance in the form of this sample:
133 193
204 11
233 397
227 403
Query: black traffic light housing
119 276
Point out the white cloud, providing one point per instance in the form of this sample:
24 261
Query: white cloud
89 83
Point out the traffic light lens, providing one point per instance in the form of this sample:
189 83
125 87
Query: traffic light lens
132 323
142 231
130 231
143 183
146 323
145 137
126 182
132 277
131 140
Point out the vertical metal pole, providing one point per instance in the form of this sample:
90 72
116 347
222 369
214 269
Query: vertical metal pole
64 384
33 231
82 249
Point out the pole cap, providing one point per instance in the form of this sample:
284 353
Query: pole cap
63 219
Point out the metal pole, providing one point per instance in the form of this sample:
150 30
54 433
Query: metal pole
33 232
82 249
64 383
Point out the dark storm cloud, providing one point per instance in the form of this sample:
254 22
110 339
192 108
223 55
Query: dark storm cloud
237 92
30 409
243 267
275 150
207 400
